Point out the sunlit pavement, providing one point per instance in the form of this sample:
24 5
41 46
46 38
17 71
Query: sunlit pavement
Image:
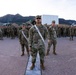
11 63
64 63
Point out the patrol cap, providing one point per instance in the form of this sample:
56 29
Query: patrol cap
53 21
38 17
23 24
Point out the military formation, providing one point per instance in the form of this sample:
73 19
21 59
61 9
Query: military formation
33 38
65 31
9 31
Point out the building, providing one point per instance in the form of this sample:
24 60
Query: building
47 19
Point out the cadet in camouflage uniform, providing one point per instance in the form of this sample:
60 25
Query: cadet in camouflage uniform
52 38
36 43
75 31
23 40
71 29
64 32
12 29
8 31
1 34
59 32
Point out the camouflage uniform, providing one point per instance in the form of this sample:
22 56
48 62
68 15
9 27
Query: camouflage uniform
8 31
53 39
71 33
67 34
4 31
75 31
1 35
17 31
64 32
12 32
23 41
36 42
59 32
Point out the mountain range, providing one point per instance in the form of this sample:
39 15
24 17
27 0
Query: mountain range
21 19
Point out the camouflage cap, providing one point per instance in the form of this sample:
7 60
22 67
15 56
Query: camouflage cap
23 24
38 16
53 21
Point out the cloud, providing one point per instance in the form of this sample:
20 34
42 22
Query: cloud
63 8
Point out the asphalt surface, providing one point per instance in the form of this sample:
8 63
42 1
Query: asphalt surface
11 62
64 63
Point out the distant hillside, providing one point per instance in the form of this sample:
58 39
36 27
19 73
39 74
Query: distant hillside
69 22
15 18
20 19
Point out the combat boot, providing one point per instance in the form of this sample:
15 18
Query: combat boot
22 53
47 53
42 66
32 66
54 52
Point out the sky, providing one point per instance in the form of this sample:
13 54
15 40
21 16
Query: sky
63 8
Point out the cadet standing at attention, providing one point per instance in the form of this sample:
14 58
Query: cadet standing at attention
23 35
1 34
52 38
36 42
71 29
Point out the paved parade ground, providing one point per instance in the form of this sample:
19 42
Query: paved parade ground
64 63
